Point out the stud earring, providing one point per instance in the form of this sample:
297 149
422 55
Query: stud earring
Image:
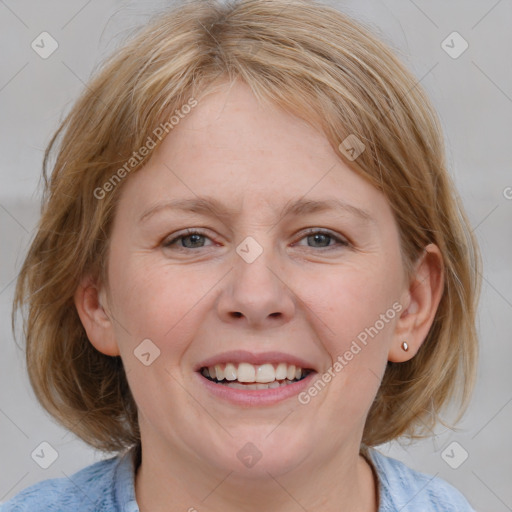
405 346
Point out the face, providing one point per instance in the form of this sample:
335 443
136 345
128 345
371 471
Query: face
264 289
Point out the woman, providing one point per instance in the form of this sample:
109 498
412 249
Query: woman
251 269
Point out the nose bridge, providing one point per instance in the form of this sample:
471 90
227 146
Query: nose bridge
255 272
256 288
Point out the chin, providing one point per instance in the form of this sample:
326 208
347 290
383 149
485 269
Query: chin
257 454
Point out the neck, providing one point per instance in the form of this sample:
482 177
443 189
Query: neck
345 482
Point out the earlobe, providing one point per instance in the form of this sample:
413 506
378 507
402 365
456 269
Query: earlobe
91 305
422 298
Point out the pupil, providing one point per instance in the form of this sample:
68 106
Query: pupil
316 237
195 237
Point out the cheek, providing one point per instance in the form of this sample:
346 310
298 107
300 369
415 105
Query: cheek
355 300
356 320
358 308
156 300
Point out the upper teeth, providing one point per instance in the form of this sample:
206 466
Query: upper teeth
246 372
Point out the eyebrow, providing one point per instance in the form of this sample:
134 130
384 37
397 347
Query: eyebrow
212 207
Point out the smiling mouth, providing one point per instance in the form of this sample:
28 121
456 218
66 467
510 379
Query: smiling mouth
247 376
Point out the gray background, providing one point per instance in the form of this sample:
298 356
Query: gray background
473 95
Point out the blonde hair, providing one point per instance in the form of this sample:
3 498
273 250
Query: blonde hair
311 60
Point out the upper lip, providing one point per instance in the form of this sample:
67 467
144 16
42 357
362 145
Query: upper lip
254 358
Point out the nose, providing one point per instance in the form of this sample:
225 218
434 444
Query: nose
256 292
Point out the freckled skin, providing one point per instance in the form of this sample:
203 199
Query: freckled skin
297 297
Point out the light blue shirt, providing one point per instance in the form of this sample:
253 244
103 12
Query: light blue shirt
108 486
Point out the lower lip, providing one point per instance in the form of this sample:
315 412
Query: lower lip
256 397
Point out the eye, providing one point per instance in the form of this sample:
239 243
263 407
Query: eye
323 238
189 240
194 239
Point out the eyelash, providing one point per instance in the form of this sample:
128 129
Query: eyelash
342 242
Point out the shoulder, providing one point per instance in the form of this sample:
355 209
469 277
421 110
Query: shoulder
90 489
407 490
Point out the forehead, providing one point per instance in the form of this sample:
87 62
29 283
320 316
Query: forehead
230 151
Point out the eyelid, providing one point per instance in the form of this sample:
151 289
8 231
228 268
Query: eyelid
168 240
343 241
324 231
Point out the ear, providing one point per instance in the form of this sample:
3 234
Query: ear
421 300
93 310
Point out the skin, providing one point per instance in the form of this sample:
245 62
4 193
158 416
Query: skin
297 297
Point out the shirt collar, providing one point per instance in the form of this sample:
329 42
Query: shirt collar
124 483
